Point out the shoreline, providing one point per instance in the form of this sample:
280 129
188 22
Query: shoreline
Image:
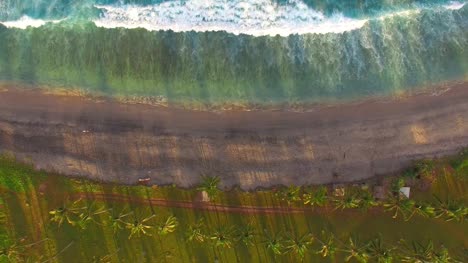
115 142
162 102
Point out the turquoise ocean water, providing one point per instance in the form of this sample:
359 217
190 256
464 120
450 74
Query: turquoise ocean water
238 51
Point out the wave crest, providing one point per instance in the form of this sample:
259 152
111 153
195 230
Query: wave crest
253 17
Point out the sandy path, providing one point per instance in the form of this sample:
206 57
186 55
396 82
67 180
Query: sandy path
222 208
121 143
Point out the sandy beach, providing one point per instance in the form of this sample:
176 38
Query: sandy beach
116 142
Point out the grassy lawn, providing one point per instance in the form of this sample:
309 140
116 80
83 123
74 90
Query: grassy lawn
52 218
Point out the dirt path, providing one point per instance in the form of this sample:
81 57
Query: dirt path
196 205
214 207
117 142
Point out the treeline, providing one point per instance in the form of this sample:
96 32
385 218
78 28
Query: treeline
278 243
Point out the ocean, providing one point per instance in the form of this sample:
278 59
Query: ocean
258 52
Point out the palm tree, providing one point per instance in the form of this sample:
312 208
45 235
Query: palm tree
290 194
195 232
424 209
116 220
355 251
400 206
168 226
274 242
443 256
450 209
397 185
378 252
367 200
299 245
316 198
210 185
16 253
223 237
139 227
425 169
11 253
65 213
88 215
246 234
349 201
327 246
419 253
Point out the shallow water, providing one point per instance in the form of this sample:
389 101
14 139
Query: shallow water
218 51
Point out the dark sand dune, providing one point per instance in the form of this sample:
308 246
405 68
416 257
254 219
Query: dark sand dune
118 142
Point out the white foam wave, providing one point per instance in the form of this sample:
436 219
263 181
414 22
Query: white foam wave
25 22
455 5
252 17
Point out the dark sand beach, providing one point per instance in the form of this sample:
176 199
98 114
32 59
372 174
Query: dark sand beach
116 142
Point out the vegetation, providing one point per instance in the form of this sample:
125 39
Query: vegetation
52 218
210 185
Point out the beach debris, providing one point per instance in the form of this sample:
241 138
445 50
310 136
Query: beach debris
405 191
85 131
339 190
144 180
379 192
42 188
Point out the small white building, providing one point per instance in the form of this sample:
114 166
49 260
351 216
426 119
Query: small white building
405 191
203 197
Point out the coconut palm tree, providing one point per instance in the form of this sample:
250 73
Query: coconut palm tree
316 198
88 216
168 226
66 212
349 201
450 209
367 200
223 237
274 243
298 245
443 256
14 252
116 220
140 227
11 253
327 245
418 252
354 250
196 233
425 168
210 185
246 234
397 184
290 194
424 209
378 252
400 205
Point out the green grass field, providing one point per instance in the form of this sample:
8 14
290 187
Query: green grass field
98 220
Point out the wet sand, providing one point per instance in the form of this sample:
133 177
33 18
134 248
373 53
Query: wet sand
116 142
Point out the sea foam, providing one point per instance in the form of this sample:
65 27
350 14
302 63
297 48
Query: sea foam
250 17
253 17
25 22
454 5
